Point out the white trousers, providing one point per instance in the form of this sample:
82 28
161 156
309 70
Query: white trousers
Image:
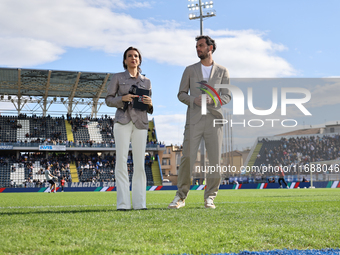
123 135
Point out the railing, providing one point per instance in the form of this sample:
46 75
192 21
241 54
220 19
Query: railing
160 168
277 138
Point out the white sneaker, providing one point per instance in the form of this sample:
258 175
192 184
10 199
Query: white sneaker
177 203
55 191
209 203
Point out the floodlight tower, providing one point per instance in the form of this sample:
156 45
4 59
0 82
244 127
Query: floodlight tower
205 11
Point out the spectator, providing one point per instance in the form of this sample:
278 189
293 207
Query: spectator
62 184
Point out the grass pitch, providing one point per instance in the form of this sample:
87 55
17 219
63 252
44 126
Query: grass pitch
88 223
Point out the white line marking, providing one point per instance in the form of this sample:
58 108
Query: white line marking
155 204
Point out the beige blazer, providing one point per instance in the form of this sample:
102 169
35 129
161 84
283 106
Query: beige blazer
189 90
119 86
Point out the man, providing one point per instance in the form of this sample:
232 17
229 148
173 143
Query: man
199 125
50 179
281 177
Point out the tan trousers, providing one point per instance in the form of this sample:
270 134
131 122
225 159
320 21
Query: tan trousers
213 143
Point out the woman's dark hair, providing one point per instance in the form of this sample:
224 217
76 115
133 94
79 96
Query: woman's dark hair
125 55
208 41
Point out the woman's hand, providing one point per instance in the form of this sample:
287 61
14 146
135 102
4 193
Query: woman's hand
128 97
147 100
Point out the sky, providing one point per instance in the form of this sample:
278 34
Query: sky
255 39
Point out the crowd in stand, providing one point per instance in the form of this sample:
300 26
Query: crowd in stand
95 168
60 167
90 167
78 122
13 124
300 151
54 136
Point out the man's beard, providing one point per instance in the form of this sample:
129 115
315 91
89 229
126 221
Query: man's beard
203 55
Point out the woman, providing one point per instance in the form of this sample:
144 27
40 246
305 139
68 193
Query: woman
131 124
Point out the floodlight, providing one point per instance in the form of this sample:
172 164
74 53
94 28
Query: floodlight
202 14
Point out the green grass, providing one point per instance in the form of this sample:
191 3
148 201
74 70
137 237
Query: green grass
88 223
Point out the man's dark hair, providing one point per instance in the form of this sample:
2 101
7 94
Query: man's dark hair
208 41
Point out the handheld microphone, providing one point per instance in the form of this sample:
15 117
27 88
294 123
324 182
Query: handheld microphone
203 86
132 91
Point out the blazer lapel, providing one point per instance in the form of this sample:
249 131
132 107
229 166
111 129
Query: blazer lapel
198 70
213 74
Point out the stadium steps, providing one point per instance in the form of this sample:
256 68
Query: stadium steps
7 131
5 175
151 126
69 132
36 168
21 132
94 132
74 172
156 174
255 153
19 175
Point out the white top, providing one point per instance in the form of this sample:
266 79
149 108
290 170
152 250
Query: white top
206 70
48 175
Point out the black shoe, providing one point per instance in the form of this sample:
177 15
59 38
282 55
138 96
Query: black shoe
121 209
142 209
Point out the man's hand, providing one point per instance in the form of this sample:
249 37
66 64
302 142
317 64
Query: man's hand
209 100
198 100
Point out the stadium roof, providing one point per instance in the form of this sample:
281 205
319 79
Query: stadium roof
48 83
307 131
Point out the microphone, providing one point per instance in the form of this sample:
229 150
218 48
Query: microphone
203 86
132 91
204 98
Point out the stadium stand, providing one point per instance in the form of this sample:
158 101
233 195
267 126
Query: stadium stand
295 153
61 138
255 153
88 133
8 127
28 169
5 171
299 150
106 129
